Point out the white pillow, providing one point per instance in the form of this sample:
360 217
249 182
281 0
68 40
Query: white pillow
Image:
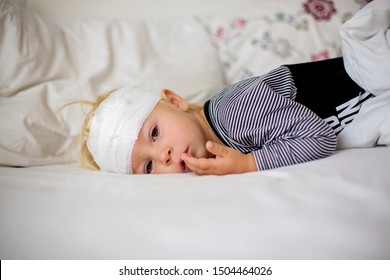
45 64
367 31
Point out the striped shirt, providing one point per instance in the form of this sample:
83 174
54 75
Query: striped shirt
259 116
326 88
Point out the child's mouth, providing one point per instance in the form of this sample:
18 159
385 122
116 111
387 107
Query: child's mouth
182 164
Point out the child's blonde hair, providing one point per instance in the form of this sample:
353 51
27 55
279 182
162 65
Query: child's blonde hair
85 156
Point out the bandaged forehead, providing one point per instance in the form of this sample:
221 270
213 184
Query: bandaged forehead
115 126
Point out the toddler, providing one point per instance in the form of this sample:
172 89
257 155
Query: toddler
288 116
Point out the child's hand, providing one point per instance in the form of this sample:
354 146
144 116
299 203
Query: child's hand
226 161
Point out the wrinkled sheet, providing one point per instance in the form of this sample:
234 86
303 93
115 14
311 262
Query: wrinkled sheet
334 208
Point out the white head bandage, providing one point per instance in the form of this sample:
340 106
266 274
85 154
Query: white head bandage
115 126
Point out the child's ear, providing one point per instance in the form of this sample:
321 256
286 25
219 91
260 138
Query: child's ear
175 99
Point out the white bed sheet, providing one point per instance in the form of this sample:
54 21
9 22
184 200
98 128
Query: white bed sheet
334 208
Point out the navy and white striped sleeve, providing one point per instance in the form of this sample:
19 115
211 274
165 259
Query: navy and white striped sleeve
258 117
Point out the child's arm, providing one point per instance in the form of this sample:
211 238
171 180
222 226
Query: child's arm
291 148
301 140
226 161
264 127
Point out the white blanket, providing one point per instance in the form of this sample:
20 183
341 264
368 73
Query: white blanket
366 51
366 47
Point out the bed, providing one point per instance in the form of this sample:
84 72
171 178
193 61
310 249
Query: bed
51 208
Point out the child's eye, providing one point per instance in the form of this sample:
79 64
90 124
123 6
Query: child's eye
154 133
149 167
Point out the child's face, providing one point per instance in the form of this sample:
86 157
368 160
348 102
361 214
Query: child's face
169 131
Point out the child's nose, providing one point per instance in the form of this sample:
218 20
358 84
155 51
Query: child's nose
166 155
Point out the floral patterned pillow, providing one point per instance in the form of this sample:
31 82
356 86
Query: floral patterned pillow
297 31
